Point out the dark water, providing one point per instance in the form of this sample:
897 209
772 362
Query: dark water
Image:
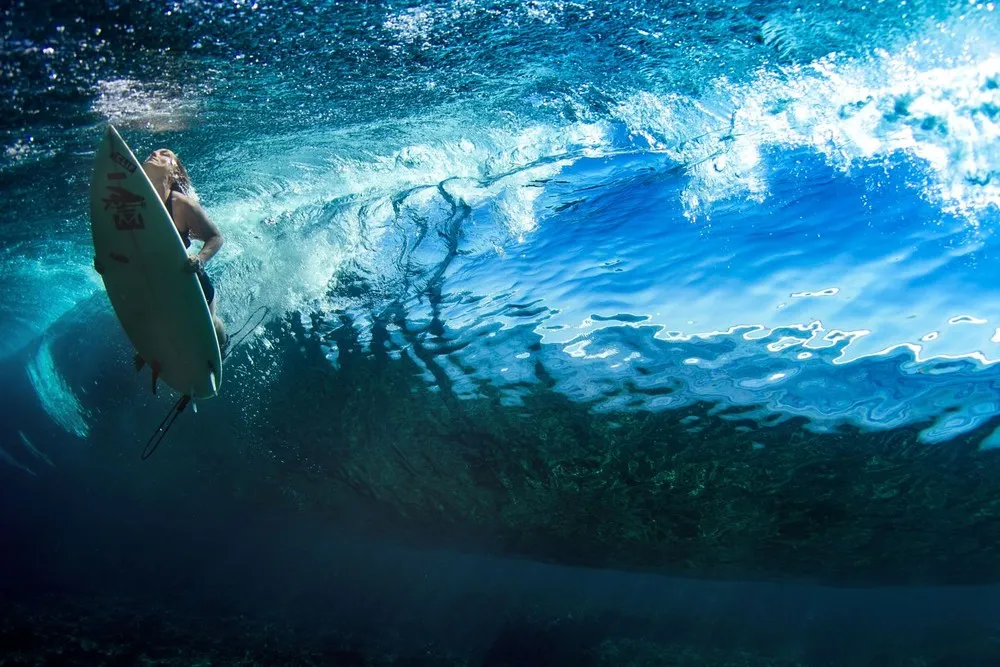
597 333
192 578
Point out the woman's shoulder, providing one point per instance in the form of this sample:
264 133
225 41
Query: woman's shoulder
182 199
185 204
190 215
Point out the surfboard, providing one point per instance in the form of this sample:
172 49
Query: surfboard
142 261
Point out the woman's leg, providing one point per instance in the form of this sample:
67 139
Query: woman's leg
220 329
212 296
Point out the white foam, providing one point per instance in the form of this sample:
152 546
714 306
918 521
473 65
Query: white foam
155 106
936 99
57 399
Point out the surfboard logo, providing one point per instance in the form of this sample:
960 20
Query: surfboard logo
126 205
120 159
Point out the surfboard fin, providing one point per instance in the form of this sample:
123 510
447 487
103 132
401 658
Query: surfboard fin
98 266
156 374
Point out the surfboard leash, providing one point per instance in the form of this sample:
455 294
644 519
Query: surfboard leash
182 403
246 330
164 426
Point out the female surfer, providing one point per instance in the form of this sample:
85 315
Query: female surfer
172 183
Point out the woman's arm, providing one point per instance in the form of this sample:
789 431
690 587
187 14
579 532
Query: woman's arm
202 228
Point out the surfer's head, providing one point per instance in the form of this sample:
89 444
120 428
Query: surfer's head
164 162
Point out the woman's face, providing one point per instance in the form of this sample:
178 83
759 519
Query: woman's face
161 163
163 158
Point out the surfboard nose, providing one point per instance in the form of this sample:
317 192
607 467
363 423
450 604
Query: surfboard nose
111 133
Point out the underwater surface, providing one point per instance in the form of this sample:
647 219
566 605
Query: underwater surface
583 333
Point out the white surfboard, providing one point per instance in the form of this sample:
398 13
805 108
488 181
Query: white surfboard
140 256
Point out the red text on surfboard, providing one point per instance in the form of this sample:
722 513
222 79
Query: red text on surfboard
126 207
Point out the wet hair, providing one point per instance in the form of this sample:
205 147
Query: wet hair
179 179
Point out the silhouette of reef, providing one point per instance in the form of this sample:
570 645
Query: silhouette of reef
701 491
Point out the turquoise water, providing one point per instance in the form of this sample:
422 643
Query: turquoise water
686 288
669 169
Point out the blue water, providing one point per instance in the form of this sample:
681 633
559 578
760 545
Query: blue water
785 211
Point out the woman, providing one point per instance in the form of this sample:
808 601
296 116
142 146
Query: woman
174 187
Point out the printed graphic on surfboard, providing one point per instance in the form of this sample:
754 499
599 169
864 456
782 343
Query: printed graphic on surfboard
141 259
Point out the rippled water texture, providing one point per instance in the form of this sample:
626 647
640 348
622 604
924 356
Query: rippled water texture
784 211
